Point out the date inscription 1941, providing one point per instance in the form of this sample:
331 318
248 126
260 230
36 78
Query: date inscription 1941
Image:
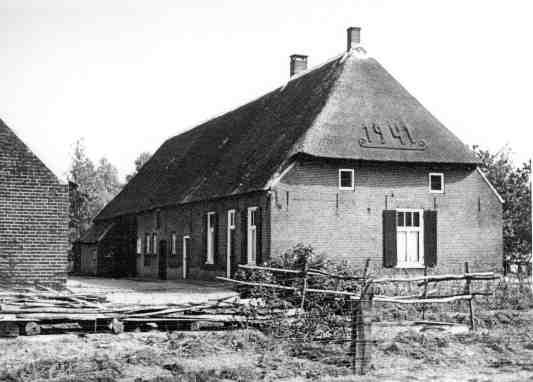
391 135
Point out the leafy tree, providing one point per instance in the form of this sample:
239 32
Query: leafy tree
514 185
81 175
92 188
107 183
139 162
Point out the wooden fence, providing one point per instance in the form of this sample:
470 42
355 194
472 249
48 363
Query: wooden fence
362 302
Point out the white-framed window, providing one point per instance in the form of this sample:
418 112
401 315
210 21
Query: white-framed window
252 235
210 230
410 238
154 243
231 219
147 244
139 245
173 244
436 182
346 179
185 258
229 240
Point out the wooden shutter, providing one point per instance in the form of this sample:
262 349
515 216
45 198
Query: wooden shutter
390 256
215 239
430 238
244 236
258 234
204 239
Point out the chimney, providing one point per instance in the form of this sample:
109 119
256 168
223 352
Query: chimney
354 37
298 63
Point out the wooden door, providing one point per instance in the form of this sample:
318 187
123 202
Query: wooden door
163 259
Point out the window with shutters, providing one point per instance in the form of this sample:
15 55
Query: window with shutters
436 182
252 235
409 238
210 231
346 179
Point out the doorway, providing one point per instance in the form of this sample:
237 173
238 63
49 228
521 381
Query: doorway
163 259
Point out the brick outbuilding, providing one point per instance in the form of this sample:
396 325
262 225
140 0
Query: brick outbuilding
340 157
33 216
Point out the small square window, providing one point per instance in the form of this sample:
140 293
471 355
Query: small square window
346 179
436 182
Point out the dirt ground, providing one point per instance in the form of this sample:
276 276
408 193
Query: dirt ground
500 350
151 292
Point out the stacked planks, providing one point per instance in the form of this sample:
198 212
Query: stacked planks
28 309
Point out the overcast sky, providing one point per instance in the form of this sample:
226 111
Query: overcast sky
126 75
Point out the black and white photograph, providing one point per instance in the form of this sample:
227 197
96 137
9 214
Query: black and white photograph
231 190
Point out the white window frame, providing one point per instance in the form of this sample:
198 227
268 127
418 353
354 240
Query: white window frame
251 232
185 243
230 227
420 229
173 244
352 172
441 191
148 243
154 243
139 245
210 231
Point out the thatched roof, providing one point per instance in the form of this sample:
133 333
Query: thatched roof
322 112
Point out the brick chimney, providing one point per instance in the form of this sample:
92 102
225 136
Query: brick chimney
298 63
354 37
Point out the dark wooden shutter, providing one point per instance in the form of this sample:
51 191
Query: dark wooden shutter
204 239
244 236
215 240
390 256
258 235
430 238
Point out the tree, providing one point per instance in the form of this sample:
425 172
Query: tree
514 185
107 183
82 176
91 189
139 162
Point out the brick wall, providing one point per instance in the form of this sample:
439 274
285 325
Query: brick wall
33 216
188 220
308 207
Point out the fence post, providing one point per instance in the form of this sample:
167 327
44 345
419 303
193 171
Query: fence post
425 292
470 300
359 349
305 268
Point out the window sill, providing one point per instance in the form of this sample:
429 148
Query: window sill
410 266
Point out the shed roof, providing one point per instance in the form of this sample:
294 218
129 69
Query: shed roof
96 233
348 108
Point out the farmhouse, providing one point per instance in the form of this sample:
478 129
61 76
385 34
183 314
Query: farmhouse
340 157
33 216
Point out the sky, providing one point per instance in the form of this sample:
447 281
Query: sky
126 75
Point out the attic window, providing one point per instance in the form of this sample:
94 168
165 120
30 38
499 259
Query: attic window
346 179
436 182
